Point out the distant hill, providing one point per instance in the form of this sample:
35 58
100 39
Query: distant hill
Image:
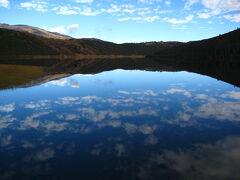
92 39
15 43
35 30
221 50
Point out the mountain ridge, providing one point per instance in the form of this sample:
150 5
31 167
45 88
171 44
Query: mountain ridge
15 43
35 30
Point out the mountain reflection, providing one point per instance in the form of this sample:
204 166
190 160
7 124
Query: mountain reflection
64 68
122 125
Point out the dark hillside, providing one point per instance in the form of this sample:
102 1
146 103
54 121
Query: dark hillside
23 43
221 50
15 43
103 47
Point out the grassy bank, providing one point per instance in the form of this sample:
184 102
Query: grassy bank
17 75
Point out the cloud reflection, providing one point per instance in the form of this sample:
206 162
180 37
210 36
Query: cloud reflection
220 110
7 108
232 95
65 82
41 155
183 91
123 124
205 161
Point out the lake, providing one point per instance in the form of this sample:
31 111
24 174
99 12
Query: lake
121 124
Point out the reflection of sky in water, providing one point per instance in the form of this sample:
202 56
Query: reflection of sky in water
121 124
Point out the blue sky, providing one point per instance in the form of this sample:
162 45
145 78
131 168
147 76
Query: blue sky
126 20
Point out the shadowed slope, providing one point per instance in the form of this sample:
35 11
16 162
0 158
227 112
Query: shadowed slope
15 43
221 50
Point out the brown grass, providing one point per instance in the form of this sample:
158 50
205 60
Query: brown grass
17 75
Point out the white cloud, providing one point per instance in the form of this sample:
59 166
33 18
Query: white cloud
147 129
68 117
32 106
165 108
233 17
220 110
130 128
42 155
90 99
65 81
60 82
99 115
84 1
37 5
69 10
69 99
92 115
222 5
5 121
149 1
183 91
72 29
214 7
168 3
4 3
96 152
180 27
61 30
181 21
54 126
232 95
206 15
27 144
123 9
120 149
7 108
151 140
5 140
148 19
201 96
183 118
114 124
87 11
114 9
64 10
189 3
125 19
74 83
32 121
146 92
43 104
144 129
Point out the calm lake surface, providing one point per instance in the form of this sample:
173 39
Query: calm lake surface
121 125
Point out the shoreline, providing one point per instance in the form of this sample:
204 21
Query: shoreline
74 56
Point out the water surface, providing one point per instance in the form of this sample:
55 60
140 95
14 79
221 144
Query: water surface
121 124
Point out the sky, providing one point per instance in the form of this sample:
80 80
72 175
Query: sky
126 20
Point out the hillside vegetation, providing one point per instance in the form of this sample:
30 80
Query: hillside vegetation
14 43
221 50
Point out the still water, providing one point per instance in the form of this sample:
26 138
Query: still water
121 125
